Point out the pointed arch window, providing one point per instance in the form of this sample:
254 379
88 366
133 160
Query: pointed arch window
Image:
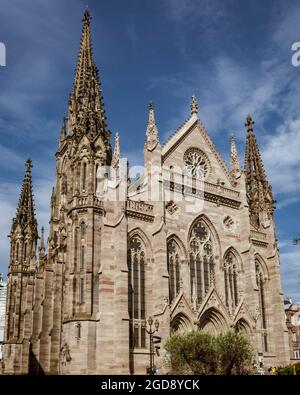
78 331
231 280
82 230
64 187
96 178
173 255
12 307
136 291
201 260
25 251
82 257
261 285
17 251
81 291
84 177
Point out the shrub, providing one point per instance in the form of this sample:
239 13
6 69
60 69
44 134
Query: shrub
288 370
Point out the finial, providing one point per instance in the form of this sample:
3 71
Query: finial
28 165
151 133
42 236
249 123
86 16
234 157
194 105
117 151
42 243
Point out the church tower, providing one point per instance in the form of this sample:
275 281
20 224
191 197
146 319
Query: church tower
82 282
23 243
271 331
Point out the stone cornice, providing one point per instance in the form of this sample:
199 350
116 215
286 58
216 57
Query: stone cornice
219 197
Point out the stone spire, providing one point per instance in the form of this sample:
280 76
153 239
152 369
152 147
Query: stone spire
234 158
42 244
194 105
117 152
25 212
151 133
86 107
259 191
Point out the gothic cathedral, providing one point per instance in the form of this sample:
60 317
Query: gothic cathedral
190 243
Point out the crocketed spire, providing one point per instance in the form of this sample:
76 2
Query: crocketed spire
151 133
25 212
259 191
234 157
117 152
86 106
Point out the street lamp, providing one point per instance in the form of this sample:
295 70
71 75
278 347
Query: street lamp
150 331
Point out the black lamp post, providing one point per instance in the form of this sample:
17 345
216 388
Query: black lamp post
151 332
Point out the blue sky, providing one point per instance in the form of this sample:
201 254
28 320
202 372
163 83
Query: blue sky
234 55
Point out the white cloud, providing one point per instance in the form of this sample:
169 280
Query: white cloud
290 270
282 159
192 9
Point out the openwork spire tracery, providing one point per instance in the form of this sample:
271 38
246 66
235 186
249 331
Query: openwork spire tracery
259 191
86 106
25 212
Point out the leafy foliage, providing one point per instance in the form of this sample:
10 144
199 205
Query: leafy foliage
235 353
289 370
199 352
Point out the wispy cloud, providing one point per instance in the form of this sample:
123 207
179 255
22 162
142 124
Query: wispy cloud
290 270
207 10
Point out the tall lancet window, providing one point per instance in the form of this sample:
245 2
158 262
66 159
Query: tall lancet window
82 235
136 292
64 185
82 252
81 291
82 244
17 251
25 251
201 255
173 268
261 285
82 230
84 177
96 178
231 280
12 307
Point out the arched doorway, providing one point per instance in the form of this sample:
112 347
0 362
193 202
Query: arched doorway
181 323
212 321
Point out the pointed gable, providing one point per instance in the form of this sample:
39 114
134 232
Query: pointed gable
192 134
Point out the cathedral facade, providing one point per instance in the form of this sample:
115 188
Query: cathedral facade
190 243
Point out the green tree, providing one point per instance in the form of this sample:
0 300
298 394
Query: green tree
193 353
235 353
199 352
